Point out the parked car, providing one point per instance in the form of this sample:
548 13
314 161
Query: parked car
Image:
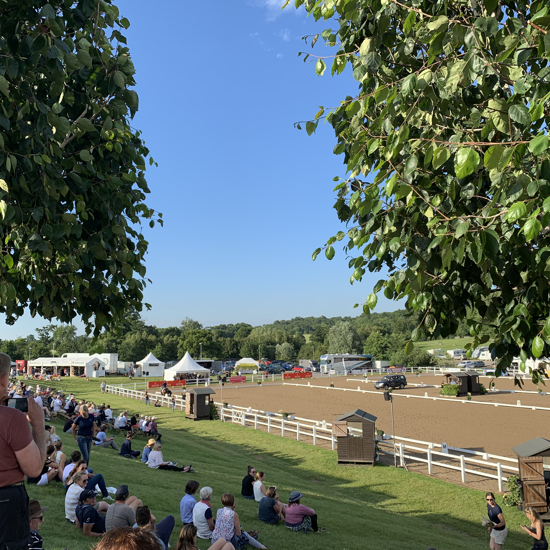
391 381
300 369
273 369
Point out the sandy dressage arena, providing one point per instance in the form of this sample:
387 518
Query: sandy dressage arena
484 428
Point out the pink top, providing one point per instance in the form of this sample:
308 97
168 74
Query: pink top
295 513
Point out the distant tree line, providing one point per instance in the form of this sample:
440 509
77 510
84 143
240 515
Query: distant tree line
382 335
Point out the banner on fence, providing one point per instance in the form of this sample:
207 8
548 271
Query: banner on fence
169 383
397 369
237 379
290 375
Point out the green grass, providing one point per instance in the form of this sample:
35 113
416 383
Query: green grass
375 508
453 343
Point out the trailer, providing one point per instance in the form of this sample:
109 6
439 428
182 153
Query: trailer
91 366
109 360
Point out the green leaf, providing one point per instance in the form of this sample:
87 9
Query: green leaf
517 211
538 346
409 84
311 127
315 254
47 11
372 61
372 300
366 46
409 22
4 185
409 346
538 145
441 156
532 228
536 111
520 114
466 161
84 58
4 86
438 24
546 329
492 156
329 252
462 229
120 79
86 156
85 124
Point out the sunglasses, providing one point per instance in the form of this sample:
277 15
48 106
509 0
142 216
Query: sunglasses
41 518
490 499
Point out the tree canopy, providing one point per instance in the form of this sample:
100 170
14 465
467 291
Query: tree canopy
72 185
447 156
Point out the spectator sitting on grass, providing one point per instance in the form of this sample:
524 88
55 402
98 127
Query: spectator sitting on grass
188 540
146 450
60 458
108 413
88 519
36 516
156 461
259 489
67 427
162 530
298 517
101 439
154 428
49 470
69 464
157 403
188 502
271 510
248 484
123 512
81 483
126 450
93 479
228 526
202 514
134 421
126 538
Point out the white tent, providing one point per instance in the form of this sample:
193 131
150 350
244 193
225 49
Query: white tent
187 365
151 365
246 362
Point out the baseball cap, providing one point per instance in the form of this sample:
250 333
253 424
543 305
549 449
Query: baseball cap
86 494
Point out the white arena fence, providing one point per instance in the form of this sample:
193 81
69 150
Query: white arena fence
319 433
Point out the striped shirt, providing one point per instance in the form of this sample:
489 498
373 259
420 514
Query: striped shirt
35 541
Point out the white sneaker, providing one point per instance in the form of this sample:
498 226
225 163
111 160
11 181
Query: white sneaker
111 490
108 499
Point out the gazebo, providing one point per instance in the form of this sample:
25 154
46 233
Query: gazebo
186 366
150 365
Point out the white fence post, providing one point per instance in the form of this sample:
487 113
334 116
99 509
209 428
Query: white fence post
499 476
256 421
430 466
222 413
297 431
401 455
269 424
463 468
315 435
283 426
244 418
333 443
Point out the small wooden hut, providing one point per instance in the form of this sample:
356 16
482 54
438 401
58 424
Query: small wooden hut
197 403
356 438
467 382
532 457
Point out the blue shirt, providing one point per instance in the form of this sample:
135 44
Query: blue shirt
186 508
101 436
85 426
145 455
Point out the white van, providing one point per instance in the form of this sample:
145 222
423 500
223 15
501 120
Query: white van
459 354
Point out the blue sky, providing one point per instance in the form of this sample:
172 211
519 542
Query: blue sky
246 197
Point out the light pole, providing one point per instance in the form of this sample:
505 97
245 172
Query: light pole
200 344
389 397
30 352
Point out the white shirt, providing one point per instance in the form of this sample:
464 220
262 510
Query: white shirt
258 495
57 404
155 459
108 413
71 500
200 522
66 471
38 401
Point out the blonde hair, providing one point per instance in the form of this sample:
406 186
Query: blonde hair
84 411
156 446
534 514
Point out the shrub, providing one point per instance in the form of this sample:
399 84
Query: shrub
482 389
513 497
450 389
213 412
283 413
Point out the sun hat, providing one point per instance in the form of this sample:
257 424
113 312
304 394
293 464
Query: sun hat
151 441
35 509
122 492
86 494
294 496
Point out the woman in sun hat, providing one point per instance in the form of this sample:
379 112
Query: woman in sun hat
146 450
299 517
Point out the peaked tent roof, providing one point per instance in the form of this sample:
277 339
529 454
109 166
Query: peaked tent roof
187 364
357 412
532 448
246 361
149 359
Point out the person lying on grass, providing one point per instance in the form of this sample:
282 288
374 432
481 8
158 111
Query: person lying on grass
88 519
72 496
298 517
228 526
188 540
123 512
156 461
271 510
146 521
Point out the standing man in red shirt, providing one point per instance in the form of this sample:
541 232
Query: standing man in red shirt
22 453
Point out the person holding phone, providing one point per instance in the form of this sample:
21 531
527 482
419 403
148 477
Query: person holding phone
22 453
498 531
536 530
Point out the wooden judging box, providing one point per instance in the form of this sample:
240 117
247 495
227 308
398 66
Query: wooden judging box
197 403
356 436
